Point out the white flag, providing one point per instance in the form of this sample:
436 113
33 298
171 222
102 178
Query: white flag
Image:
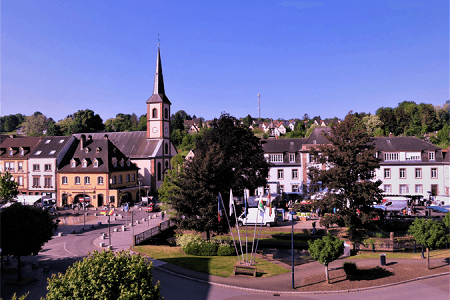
231 202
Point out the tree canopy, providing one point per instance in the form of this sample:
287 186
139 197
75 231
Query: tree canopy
326 250
25 230
350 162
228 155
105 275
8 187
429 233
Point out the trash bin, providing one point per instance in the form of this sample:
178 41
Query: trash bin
383 259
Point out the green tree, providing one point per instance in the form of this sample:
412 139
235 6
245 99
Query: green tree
447 219
11 122
53 128
142 125
35 125
388 120
86 121
351 163
429 233
65 125
227 156
25 230
8 188
106 275
248 120
372 123
326 250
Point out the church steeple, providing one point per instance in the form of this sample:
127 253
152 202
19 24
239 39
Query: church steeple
159 94
158 107
158 87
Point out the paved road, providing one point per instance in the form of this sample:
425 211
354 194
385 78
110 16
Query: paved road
175 287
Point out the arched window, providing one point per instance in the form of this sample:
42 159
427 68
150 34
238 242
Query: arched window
166 148
159 171
133 177
166 113
128 177
64 180
87 180
154 113
77 179
114 179
100 180
120 178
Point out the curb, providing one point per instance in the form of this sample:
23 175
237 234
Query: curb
293 292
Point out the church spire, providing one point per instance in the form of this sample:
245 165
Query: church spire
158 87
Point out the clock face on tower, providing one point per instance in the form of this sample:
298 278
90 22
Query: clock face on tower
155 130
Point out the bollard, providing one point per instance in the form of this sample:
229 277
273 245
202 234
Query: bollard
73 231
383 259
95 214
60 234
92 226
115 230
109 247
102 245
123 228
99 223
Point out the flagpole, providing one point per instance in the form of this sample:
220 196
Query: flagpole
259 235
233 208
229 227
254 231
246 218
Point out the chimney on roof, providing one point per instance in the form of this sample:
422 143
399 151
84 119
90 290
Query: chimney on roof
105 137
83 141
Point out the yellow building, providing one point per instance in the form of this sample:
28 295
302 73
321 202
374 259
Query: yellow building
96 171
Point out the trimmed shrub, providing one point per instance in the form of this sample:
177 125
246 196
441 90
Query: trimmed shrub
225 250
208 249
192 249
185 239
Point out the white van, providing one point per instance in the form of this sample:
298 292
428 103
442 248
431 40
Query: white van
256 216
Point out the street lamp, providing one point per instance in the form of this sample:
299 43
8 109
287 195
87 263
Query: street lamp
291 212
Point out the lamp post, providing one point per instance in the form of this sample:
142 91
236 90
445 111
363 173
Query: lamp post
109 223
291 212
84 210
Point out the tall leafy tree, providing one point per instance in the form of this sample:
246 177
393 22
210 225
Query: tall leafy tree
86 121
326 250
35 125
11 122
8 188
388 120
227 156
350 163
25 230
106 275
429 233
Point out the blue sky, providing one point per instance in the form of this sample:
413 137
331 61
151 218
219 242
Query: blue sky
304 57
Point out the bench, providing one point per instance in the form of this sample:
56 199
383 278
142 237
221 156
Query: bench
243 269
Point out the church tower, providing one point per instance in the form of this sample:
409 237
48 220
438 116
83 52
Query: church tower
158 108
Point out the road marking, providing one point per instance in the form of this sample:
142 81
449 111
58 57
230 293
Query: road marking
68 250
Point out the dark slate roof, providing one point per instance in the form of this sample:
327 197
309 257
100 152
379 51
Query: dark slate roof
48 144
27 143
101 149
133 144
282 145
317 136
408 143
159 94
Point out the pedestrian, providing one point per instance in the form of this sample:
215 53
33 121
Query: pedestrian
162 215
314 227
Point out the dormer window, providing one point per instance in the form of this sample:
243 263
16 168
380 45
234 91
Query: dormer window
87 149
122 162
98 150
128 162
114 162
84 163
22 152
73 163
114 150
431 155
11 152
96 163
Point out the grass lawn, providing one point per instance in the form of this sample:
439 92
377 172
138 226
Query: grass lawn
443 253
215 265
